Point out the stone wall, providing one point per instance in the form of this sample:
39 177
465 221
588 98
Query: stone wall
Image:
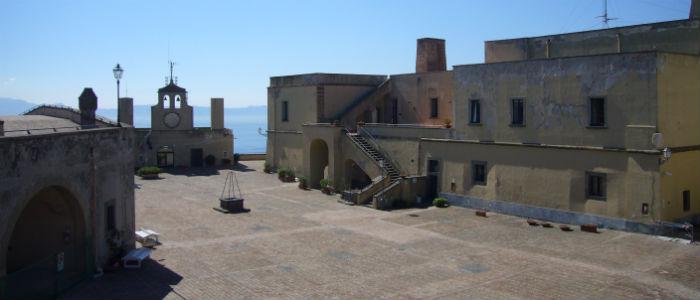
76 162
218 143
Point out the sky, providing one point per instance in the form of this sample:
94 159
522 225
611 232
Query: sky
50 50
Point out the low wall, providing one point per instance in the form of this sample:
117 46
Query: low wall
568 217
252 156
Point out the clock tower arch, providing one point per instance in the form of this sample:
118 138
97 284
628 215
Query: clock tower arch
172 111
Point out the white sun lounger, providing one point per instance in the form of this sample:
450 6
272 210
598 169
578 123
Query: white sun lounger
147 237
134 258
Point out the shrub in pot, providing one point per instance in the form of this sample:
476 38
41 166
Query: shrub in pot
267 168
236 158
148 172
286 174
326 186
303 183
441 202
448 123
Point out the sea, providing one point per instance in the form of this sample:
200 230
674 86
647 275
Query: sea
248 124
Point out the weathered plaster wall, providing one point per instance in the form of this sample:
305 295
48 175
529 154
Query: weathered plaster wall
556 94
550 177
679 99
218 143
414 91
678 174
682 36
32 163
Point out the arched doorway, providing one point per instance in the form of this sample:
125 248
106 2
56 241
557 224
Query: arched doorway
355 177
318 162
165 157
48 245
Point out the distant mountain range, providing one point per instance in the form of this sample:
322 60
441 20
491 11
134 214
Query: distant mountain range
10 106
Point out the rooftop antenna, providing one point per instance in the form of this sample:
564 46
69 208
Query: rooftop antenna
172 64
605 18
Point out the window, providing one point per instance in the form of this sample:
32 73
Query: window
110 222
686 200
433 166
595 186
285 111
517 112
433 107
474 112
597 112
479 172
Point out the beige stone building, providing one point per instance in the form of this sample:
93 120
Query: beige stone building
172 140
66 198
597 127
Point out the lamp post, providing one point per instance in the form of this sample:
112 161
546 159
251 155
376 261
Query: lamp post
118 71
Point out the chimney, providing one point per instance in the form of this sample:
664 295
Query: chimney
2 128
694 10
126 110
430 55
88 104
217 113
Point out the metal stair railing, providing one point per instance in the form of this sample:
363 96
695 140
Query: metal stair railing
373 142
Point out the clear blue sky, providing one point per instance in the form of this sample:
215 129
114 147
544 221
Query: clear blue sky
50 50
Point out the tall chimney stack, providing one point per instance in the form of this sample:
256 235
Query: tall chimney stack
217 113
88 104
430 55
126 110
694 9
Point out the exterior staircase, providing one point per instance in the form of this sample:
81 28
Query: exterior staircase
372 152
391 174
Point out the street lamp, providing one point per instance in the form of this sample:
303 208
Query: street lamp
118 71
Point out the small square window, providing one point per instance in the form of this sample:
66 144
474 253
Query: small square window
474 112
595 186
479 172
285 111
433 107
597 112
518 112
686 200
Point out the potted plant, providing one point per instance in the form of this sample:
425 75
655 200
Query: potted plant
448 123
149 172
267 168
326 186
303 183
286 174
441 202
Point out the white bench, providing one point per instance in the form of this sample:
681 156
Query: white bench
134 258
147 237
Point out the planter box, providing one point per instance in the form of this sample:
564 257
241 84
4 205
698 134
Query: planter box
593 228
481 213
231 204
149 176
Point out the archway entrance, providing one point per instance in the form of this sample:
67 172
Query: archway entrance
47 249
165 157
355 177
318 162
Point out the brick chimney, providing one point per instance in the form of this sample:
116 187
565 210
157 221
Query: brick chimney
126 110
694 10
430 55
217 113
88 104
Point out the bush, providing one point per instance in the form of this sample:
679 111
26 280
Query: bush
267 168
210 160
148 170
325 182
286 174
448 123
236 157
303 183
441 202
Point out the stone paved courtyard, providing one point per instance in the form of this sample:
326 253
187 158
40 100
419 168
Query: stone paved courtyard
296 244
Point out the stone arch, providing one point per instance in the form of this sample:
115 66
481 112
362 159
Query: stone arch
318 163
355 177
47 228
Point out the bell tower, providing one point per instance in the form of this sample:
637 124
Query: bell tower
172 111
